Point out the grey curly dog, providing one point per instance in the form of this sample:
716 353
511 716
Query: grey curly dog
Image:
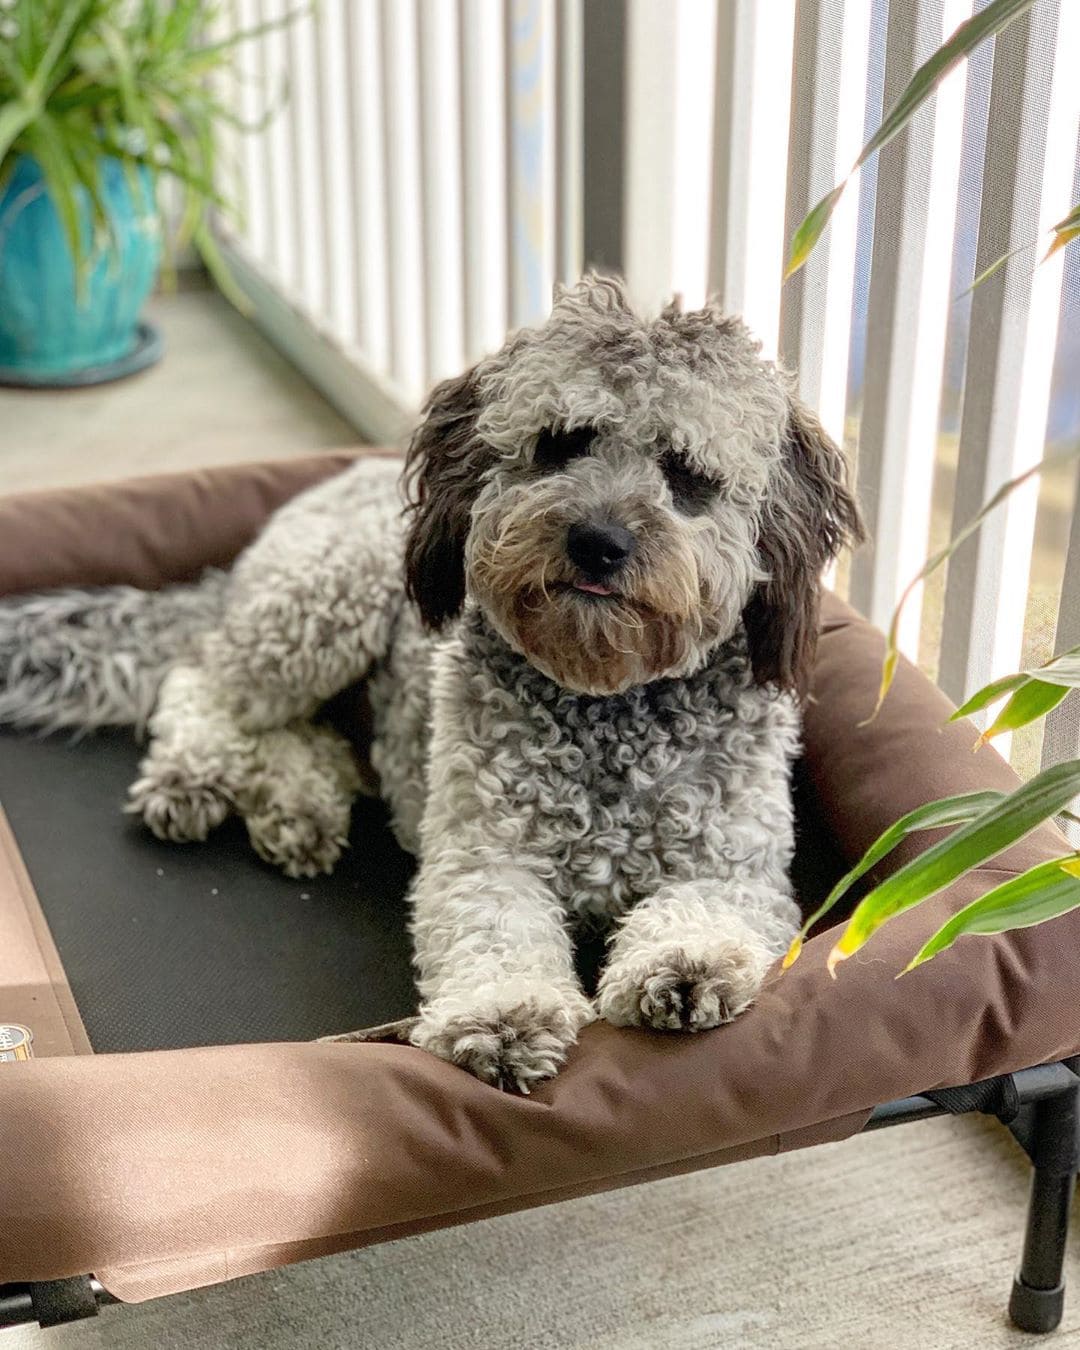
584 640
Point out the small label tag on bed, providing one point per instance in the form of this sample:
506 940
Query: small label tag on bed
15 1042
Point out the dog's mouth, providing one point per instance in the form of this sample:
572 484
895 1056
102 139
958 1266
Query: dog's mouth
593 588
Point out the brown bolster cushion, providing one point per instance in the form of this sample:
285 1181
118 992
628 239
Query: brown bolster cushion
161 1171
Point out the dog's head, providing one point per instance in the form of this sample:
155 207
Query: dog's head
618 495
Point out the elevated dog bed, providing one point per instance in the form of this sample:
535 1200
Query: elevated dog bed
231 1143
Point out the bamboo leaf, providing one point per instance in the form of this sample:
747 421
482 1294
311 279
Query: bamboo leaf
1044 892
1030 702
892 650
993 830
983 24
1063 669
998 14
1065 231
931 816
990 693
995 267
811 229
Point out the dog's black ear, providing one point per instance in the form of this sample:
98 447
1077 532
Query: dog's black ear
810 515
443 466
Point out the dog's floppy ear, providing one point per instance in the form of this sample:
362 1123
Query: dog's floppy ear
442 474
810 515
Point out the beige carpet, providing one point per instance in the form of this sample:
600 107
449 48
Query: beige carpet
222 395
901 1239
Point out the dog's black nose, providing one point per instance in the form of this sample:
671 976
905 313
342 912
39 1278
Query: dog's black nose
599 549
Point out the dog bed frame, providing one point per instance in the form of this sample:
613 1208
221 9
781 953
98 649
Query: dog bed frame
177 1124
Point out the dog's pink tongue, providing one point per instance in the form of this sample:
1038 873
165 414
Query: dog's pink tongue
593 588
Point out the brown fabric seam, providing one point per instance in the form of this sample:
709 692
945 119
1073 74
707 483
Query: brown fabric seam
50 956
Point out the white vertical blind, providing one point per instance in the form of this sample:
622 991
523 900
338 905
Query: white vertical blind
404 201
440 102
752 120
532 132
828 93
908 308
648 223
278 160
254 184
365 81
338 205
669 141
484 102
570 111
307 183
1010 356
839 248
1061 736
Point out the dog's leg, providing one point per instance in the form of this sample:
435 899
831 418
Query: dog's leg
197 760
694 954
496 973
313 601
298 800
294 786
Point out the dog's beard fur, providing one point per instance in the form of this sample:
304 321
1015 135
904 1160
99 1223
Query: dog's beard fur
669 610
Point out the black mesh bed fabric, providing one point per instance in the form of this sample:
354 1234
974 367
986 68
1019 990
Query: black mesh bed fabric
174 945
171 945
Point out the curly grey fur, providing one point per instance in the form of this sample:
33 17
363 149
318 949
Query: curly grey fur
86 658
549 746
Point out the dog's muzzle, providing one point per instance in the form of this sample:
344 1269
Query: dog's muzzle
599 550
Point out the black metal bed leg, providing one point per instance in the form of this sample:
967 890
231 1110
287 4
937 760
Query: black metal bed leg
1038 1292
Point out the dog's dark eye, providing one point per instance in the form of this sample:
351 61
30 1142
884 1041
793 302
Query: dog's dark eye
555 449
691 491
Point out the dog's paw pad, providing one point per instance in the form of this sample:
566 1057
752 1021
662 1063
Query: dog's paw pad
513 1048
678 992
177 811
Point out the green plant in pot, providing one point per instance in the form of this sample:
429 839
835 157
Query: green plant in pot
100 102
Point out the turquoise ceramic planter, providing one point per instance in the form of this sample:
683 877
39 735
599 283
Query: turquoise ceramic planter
48 333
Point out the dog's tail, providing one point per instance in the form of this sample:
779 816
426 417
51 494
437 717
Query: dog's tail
91 658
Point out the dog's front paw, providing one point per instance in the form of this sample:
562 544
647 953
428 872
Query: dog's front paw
678 989
512 1037
175 808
